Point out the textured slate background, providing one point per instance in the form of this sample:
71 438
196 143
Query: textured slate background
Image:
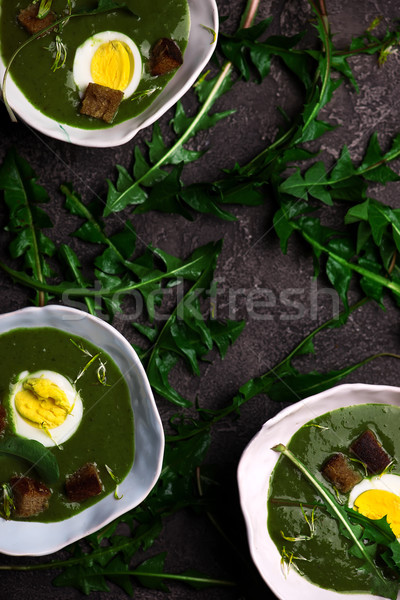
251 259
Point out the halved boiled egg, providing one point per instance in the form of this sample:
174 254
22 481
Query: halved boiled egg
377 497
44 406
108 58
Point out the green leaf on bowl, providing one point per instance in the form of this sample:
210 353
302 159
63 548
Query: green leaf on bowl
34 452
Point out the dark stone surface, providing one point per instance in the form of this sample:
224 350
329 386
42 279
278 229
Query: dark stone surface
251 259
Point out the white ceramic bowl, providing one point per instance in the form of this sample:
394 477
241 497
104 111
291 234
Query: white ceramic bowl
26 538
203 13
254 472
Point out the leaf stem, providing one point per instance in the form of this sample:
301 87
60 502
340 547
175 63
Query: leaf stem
37 256
194 287
86 213
248 18
60 289
322 15
65 252
251 167
392 285
249 14
134 572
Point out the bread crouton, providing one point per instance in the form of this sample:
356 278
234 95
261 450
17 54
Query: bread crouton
29 20
101 102
340 473
30 497
369 451
84 483
165 57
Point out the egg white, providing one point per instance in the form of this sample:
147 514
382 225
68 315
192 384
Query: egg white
59 434
388 482
84 55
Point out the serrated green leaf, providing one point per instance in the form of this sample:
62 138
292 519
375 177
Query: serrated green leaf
359 212
340 64
344 166
146 570
126 193
199 198
22 195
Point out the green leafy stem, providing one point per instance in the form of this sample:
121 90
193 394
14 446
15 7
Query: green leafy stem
295 134
321 248
74 291
189 579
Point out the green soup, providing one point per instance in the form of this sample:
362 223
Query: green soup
105 434
55 93
328 562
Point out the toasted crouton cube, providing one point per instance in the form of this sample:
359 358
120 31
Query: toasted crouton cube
101 102
31 497
340 473
29 20
165 57
369 450
84 483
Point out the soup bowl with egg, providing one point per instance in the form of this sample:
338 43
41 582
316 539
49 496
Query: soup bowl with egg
81 439
94 73
347 439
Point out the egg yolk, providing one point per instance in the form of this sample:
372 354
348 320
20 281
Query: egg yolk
42 403
112 65
375 504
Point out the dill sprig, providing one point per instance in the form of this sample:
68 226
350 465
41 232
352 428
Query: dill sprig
287 561
61 53
8 502
85 368
101 373
311 524
81 347
116 480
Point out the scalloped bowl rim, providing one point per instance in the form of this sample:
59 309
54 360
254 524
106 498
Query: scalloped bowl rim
203 15
19 538
254 471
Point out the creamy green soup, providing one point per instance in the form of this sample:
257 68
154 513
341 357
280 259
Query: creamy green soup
328 562
105 435
54 92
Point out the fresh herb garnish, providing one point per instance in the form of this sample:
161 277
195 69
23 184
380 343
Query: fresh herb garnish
101 373
44 8
85 368
213 33
116 481
288 560
311 525
7 502
60 53
143 94
81 347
